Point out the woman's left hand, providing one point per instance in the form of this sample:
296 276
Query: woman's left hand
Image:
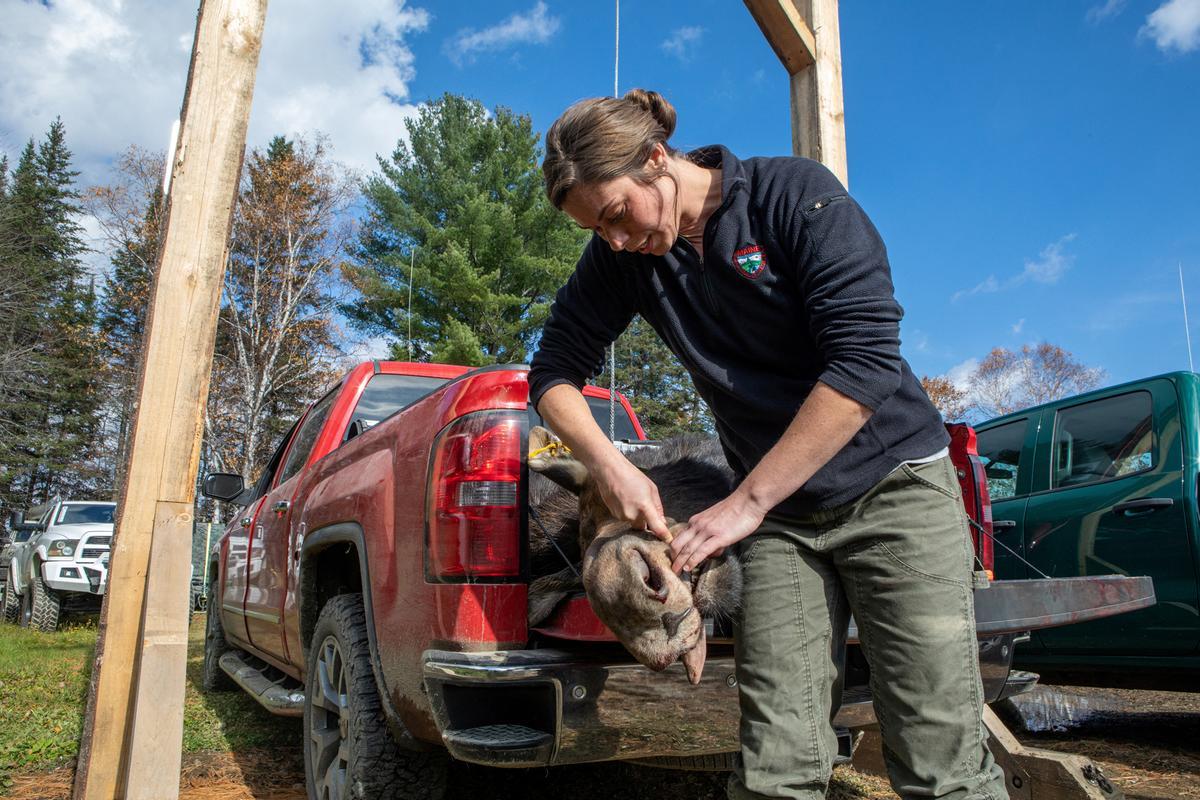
712 530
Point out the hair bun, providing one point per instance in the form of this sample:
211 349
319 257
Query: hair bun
658 107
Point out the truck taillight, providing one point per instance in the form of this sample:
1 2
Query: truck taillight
474 521
973 481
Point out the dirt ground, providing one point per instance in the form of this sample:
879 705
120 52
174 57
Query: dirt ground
1147 744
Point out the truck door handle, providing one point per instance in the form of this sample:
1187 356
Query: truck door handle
281 506
1003 524
1145 505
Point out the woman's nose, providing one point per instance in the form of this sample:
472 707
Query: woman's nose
617 239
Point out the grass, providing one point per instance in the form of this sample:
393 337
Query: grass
44 679
44 683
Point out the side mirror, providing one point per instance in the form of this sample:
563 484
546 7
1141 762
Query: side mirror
223 486
17 522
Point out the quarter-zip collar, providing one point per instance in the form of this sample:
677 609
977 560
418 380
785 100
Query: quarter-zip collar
717 156
733 180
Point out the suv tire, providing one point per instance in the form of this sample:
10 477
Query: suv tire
11 603
40 606
212 677
348 750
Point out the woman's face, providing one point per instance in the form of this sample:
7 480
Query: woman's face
631 216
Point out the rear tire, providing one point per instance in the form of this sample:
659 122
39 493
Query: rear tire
11 603
213 678
348 750
40 606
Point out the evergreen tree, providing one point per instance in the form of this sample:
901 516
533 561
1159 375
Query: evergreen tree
460 208
49 408
656 384
123 325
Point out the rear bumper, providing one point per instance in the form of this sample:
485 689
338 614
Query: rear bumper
521 708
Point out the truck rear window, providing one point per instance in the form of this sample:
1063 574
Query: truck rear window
623 425
384 395
72 514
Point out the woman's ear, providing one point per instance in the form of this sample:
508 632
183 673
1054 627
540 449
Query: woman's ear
657 161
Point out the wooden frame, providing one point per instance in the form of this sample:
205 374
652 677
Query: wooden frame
806 37
133 730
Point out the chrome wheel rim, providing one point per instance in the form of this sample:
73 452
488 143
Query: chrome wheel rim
329 722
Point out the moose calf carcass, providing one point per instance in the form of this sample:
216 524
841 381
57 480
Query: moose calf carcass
626 573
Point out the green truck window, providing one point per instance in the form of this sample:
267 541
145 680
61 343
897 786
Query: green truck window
1103 439
1000 450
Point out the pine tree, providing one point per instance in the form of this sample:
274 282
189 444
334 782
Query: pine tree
123 325
50 411
460 208
656 384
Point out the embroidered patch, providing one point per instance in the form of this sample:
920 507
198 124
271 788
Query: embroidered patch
750 261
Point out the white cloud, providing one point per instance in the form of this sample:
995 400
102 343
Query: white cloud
1111 8
1048 268
1175 25
986 286
1017 328
960 374
683 42
534 27
1050 264
114 70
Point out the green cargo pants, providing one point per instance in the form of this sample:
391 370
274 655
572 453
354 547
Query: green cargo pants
900 560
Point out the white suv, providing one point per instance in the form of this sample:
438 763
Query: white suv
66 560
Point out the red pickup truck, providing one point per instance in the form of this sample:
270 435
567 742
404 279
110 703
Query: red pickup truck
374 581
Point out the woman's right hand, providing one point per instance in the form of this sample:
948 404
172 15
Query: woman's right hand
631 496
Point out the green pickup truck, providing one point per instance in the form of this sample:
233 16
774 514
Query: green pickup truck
1099 484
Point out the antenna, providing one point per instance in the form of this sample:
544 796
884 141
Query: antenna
1187 331
412 267
612 348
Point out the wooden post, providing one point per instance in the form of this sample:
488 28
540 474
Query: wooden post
806 37
134 725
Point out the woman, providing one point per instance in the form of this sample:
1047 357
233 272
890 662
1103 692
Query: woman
773 289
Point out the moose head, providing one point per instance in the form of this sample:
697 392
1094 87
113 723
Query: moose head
657 614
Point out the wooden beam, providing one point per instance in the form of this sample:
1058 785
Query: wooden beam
134 726
806 37
787 32
818 115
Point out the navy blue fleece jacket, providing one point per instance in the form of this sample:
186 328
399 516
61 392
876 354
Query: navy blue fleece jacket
794 288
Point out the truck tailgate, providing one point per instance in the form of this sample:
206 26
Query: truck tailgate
1002 607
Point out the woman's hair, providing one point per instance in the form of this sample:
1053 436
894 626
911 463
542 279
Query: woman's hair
603 138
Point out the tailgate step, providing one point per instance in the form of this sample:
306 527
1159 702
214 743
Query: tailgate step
515 744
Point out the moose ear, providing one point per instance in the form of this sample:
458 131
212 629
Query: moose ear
549 456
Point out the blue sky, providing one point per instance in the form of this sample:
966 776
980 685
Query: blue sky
1034 170
1034 167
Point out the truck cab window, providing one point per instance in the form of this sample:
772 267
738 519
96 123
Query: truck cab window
384 395
1103 439
306 436
599 407
1000 449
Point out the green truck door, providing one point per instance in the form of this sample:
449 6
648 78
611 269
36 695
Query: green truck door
1007 452
1108 498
